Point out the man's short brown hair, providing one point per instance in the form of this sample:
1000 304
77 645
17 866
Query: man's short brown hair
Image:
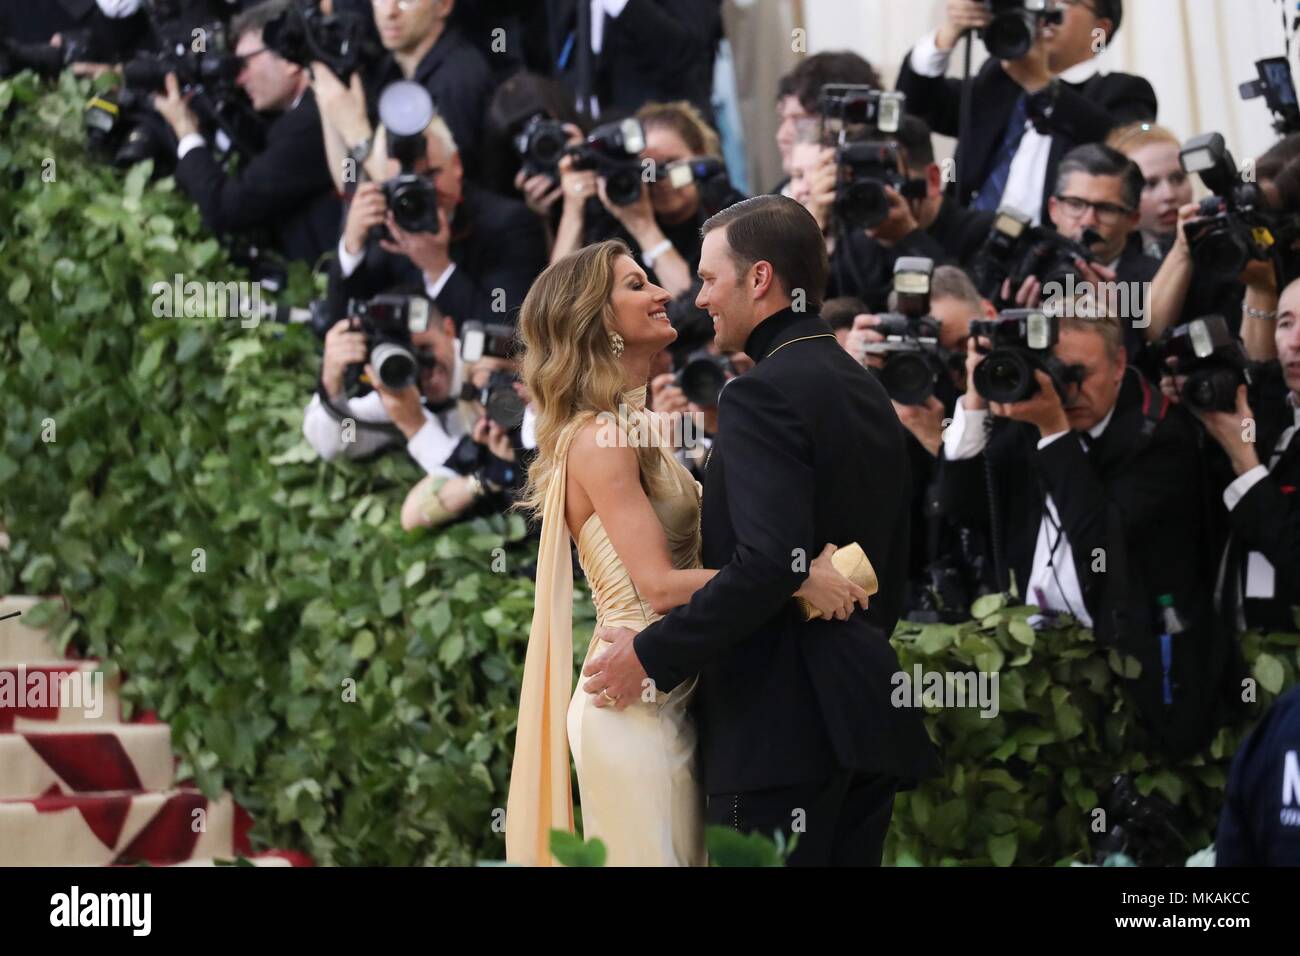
778 230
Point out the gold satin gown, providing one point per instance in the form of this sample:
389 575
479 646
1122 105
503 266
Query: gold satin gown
637 777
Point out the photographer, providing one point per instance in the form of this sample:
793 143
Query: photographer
490 462
95 32
420 47
478 263
662 222
1261 582
285 189
1107 521
798 96
424 418
1030 109
1182 290
1167 187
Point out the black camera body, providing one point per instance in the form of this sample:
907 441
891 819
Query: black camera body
1015 25
1015 249
303 34
865 169
406 110
1277 86
1214 362
703 376
484 340
614 152
1234 225
844 106
387 322
1021 343
44 59
914 359
541 145
710 178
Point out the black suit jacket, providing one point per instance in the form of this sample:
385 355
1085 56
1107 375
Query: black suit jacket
656 50
285 189
1267 518
960 232
809 452
1133 510
1085 113
496 243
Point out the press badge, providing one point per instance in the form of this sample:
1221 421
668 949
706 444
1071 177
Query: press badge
1259 576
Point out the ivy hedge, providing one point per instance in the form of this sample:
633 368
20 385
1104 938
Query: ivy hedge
355 685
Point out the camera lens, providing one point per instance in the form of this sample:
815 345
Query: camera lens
396 366
505 407
701 381
1005 375
908 378
1212 389
864 204
1011 35
1220 250
623 186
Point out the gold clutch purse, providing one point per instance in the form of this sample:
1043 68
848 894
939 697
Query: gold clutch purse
852 562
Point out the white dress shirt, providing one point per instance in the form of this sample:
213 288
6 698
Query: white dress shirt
348 264
1053 581
1027 179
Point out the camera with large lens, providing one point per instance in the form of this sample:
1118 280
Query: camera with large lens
44 59
1016 249
303 34
865 169
1234 225
500 399
1014 28
614 152
1021 343
913 358
703 376
541 145
1213 361
387 322
406 110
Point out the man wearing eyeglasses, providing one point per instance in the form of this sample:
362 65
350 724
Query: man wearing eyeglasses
285 189
1100 189
1029 111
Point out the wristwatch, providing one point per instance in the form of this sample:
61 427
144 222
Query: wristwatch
651 255
361 151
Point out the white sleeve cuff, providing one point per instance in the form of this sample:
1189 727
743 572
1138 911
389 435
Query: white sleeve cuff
434 289
347 261
188 142
431 446
614 7
964 437
1233 494
927 59
1044 442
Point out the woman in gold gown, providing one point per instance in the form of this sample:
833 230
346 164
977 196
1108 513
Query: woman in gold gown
606 477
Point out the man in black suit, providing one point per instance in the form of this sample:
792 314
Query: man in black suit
1055 86
478 265
794 716
1100 503
641 51
1261 585
286 188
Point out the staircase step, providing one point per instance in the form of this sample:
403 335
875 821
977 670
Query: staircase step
67 693
40 757
122 828
19 642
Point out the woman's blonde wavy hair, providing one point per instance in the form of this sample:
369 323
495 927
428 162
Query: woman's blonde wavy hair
569 366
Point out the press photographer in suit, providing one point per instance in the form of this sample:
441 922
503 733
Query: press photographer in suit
286 188
1100 499
793 713
1055 86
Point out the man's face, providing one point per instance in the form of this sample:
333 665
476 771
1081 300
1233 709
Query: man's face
790 110
1073 41
1103 210
805 161
954 316
439 344
270 82
664 145
1287 335
1092 400
445 172
404 24
724 294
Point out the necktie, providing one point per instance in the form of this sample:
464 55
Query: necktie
990 195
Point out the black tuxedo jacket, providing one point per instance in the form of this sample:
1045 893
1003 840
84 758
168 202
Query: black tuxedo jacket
656 50
809 452
285 189
1133 509
1085 113
496 243
1267 518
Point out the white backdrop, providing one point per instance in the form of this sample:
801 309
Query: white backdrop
1194 52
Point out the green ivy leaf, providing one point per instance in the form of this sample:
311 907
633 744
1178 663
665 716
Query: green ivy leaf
1268 671
19 288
